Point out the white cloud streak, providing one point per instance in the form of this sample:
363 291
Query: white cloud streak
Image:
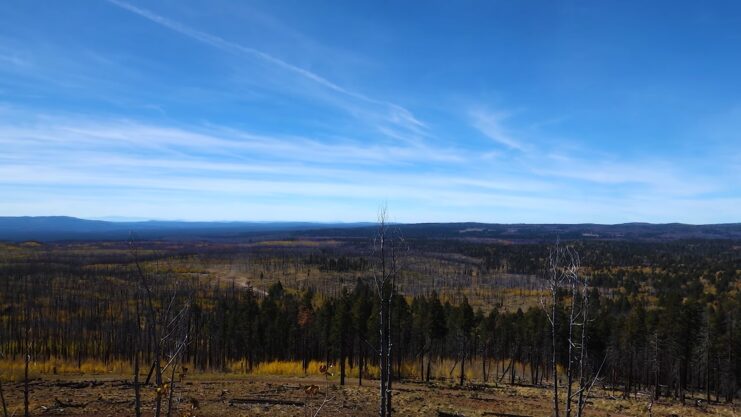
395 113
491 124
153 163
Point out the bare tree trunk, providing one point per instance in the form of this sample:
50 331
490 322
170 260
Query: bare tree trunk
361 359
563 266
152 323
707 366
385 250
463 367
342 366
389 360
389 356
158 377
483 362
157 365
25 385
27 356
583 352
656 367
570 357
181 327
383 359
2 399
429 367
172 388
137 344
554 353
137 389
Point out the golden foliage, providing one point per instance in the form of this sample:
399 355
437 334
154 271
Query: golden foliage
13 370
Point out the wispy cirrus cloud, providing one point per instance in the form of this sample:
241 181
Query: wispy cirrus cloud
116 136
194 162
491 124
648 174
391 113
299 111
13 60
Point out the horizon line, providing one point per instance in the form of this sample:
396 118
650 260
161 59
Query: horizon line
123 219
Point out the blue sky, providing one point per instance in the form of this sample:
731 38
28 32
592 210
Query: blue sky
495 111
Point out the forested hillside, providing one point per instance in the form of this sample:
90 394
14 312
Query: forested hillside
664 317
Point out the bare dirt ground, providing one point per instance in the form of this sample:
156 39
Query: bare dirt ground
287 396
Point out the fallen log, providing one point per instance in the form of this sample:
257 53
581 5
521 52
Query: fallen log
114 401
31 383
278 389
448 414
61 404
79 384
269 401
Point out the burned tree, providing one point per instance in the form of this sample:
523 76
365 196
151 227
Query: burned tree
2 397
565 282
167 324
556 274
388 247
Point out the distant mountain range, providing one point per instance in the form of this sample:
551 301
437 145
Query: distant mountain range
549 232
59 228
55 228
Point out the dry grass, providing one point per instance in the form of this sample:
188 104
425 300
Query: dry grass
13 370
213 392
295 369
441 370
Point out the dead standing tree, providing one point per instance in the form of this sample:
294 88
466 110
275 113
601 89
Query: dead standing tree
388 247
27 345
2 394
137 351
178 337
561 268
580 303
576 313
562 274
168 330
153 327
